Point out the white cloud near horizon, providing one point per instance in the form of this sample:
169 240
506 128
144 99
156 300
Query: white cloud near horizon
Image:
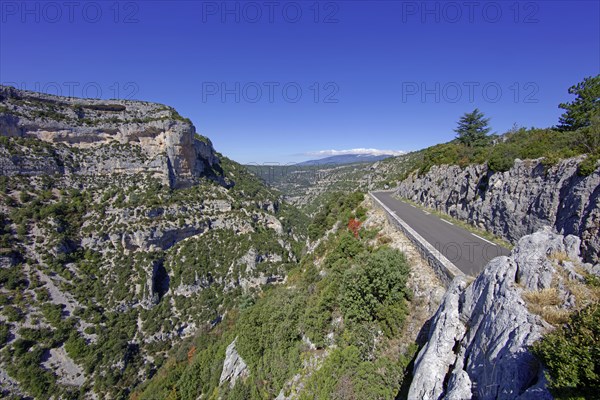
373 152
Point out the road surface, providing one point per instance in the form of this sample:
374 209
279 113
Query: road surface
467 251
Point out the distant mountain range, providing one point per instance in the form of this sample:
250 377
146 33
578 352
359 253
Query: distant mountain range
345 159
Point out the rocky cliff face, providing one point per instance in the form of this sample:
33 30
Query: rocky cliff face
114 246
517 202
162 142
479 337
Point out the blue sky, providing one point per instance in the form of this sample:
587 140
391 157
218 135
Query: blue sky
279 81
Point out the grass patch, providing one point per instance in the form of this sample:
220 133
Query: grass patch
546 303
559 257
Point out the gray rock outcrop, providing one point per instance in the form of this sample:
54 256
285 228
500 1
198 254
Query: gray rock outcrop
517 202
234 367
163 143
479 338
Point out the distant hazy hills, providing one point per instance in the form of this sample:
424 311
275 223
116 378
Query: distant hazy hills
345 159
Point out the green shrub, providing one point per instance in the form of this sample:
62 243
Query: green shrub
13 314
4 333
12 278
53 312
337 207
589 165
76 346
502 158
572 356
269 338
344 375
374 289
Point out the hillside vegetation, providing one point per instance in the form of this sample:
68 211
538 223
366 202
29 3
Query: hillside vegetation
84 276
116 244
330 327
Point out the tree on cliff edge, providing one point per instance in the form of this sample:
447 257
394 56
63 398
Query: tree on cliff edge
472 129
580 112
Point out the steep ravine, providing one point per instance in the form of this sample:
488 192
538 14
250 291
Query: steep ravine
517 202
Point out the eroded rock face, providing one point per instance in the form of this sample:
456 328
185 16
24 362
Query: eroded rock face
167 143
234 367
479 337
517 202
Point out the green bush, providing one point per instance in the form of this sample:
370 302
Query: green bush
503 157
12 278
375 288
337 207
13 314
53 312
76 346
572 356
269 339
589 165
4 333
344 375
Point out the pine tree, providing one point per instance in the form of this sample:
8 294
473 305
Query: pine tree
472 129
581 111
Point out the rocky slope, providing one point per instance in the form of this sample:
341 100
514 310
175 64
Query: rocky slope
166 144
479 337
122 233
517 202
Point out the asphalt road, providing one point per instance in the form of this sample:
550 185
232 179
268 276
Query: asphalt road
468 252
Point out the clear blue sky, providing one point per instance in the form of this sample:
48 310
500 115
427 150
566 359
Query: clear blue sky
393 67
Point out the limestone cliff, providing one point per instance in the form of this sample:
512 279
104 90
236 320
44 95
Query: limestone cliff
517 202
121 234
164 143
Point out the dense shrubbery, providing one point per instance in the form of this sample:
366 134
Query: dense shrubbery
345 375
572 356
269 340
4 334
503 150
589 165
374 289
337 207
354 298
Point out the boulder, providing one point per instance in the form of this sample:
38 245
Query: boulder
234 367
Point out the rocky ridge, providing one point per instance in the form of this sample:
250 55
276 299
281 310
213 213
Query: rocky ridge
479 338
163 143
517 202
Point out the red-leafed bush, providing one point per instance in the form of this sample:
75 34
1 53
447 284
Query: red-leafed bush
354 226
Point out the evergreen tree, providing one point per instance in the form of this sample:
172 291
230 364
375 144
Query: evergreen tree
472 129
580 112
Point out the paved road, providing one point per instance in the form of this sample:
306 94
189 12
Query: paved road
467 251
